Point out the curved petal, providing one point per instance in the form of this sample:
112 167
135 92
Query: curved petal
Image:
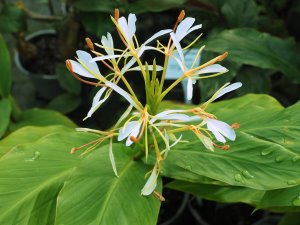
127 130
215 68
183 27
227 89
151 182
178 46
158 34
131 25
84 57
78 68
189 89
220 128
108 42
103 57
134 133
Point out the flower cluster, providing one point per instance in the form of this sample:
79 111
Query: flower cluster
157 131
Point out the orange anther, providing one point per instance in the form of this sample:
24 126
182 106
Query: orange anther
89 43
235 125
181 16
117 14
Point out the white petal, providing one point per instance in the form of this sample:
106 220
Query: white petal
183 27
131 25
223 128
135 132
108 42
197 27
176 142
85 58
181 117
158 34
112 158
178 46
127 130
77 68
120 91
98 95
189 89
151 182
215 68
103 57
164 113
128 65
216 133
97 102
229 88
124 26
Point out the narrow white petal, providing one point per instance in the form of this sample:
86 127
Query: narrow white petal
229 88
104 57
215 68
216 133
128 65
135 132
77 68
112 158
183 27
95 106
158 34
176 142
164 113
108 43
181 117
85 58
181 65
189 89
120 91
124 26
197 27
178 46
222 128
151 182
131 25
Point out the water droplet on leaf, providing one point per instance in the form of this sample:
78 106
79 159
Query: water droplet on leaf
36 156
266 151
238 177
247 174
279 158
291 182
296 201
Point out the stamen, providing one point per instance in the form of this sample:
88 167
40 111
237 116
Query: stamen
89 43
235 125
181 16
116 14
159 196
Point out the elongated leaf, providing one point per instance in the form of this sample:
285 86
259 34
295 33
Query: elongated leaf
41 117
224 193
5 110
264 156
249 46
5 72
28 134
101 197
282 199
41 178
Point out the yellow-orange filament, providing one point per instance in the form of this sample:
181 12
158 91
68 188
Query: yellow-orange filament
159 196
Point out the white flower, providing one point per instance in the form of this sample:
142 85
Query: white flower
131 129
220 130
84 67
185 27
98 100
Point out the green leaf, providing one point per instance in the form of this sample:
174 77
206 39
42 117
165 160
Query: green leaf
5 110
240 13
27 135
12 19
41 117
5 72
67 81
41 183
265 155
254 80
65 103
103 198
224 193
94 5
290 219
282 198
251 47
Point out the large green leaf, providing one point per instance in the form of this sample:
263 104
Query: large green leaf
240 13
41 183
5 72
220 193
105 198
95 5
65 103
41 117
26 135
5 110
264 156
249 46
